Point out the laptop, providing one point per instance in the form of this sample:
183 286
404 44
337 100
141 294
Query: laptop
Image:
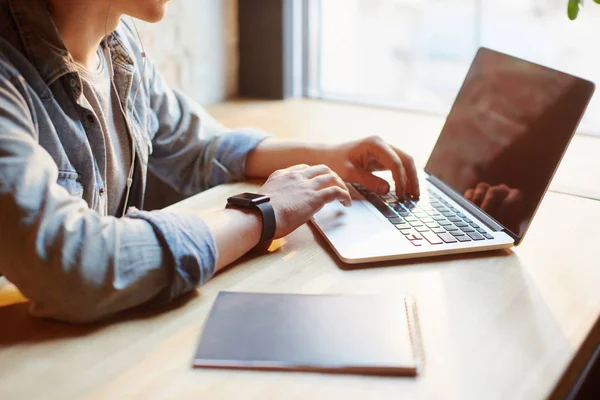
502 142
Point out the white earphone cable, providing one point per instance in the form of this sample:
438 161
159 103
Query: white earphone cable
122 109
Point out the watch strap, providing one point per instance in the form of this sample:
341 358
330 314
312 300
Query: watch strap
269 224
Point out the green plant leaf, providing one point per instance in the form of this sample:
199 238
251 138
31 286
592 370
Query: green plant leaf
573 8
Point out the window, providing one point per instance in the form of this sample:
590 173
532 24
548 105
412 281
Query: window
414 54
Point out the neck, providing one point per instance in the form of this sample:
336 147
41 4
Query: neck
82 25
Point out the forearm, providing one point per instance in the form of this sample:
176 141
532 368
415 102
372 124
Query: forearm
235 233
274 154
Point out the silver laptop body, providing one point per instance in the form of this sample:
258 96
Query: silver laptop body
508 129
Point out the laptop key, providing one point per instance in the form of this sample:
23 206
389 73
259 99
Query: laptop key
417 243
450 228
445 223
409 232
438 230
481 230
396 220
409 205
488 236
380 205
455 219
432 238
403 213
431 225
475 235
456 233
447 238
460 224
438 217
463 238
416 224
403 227
422 229
466 229
415 236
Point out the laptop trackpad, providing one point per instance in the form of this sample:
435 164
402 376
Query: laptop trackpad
357 231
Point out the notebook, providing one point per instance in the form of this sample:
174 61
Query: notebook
358 334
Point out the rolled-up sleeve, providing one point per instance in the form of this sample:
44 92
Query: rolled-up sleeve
73 264
192 151
192 249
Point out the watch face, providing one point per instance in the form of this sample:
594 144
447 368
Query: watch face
246 199
249 196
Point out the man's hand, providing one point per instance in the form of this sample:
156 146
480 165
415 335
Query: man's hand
299 192
355 161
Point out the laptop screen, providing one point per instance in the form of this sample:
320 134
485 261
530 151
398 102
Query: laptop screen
506 133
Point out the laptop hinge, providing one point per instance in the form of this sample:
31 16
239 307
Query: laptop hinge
470 207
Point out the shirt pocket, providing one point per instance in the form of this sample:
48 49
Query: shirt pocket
69 181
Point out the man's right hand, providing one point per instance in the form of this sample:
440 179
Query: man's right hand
299 192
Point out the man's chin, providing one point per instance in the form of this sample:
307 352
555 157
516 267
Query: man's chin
154 14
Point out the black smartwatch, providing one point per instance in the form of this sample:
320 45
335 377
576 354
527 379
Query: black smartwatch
261 203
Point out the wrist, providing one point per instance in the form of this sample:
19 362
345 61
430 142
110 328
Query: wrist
252 222
319 153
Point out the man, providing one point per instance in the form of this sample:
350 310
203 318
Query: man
83 117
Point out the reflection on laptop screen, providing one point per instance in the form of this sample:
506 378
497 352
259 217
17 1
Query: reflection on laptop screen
506 133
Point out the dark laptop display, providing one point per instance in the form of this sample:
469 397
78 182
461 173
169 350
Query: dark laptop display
506 134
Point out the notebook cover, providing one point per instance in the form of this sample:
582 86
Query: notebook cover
362 334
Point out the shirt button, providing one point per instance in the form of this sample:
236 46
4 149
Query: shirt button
90 118
101 192
73 83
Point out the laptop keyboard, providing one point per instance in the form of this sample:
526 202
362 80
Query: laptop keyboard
431 219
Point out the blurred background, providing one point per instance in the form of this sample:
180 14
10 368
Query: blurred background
408 54
401 54
196 47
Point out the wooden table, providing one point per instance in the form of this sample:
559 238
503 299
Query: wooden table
508 324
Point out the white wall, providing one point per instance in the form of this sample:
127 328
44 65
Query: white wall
195 47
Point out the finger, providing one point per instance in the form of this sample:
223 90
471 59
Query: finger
411 172
316 170
493 199
479 194
323 181
374 165
469 194
369 181
511 207
334 193
331 180
389 159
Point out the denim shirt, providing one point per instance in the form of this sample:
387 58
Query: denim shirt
57 243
